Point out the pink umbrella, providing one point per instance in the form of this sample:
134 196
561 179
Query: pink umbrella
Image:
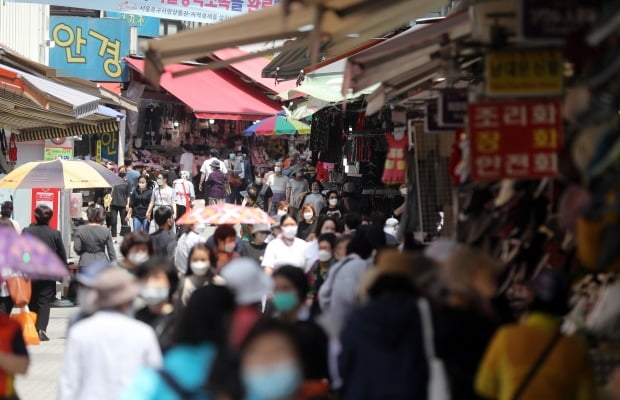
27 255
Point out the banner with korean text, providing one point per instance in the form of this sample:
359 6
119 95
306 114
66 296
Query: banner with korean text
514 139
90 48
207 11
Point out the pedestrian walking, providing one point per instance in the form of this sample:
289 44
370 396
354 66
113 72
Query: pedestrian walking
185 194
163 196
139 202
200 272
6 213
44 291
287 249
280 187
189 237
132 175
264 195
137 248
93 241
164 240
255 249
216 183
105 351
119 204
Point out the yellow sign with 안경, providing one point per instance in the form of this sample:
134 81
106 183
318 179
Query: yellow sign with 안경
524 72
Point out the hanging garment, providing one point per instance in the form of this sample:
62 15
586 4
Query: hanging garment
12 148
395 163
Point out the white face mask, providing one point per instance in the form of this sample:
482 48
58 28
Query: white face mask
230 247
289 232
403 191
259 181
160 182
142 185
153 295
282 212
308 216
278 169
199 268
325 255
138 257
333 202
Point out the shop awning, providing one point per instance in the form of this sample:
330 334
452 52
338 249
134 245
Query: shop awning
214 94
345 24
253 69
326 88
99 90
406 58
79 129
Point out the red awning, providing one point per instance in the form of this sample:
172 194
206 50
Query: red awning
214 94
253 69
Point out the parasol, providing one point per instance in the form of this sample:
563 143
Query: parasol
278 125
225 213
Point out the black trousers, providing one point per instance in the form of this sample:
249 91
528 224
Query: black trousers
115 210
6 305
43 295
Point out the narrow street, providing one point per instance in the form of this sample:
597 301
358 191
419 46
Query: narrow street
41 382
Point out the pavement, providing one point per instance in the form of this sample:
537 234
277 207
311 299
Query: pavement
41 381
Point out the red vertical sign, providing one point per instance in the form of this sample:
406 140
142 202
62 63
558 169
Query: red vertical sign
516 139
47 197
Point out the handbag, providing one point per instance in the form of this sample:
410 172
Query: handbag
125 229
438 386
27 320
20 289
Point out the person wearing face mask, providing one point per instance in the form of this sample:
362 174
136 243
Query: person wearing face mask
225 244
137 248
287 249
198 365
283 209
280 186
190 235
289 299
159 282
315 198
299 186
318 272
323 225
307 219
271 362
138 205
163 196
200 272
256 248
333 208
264 195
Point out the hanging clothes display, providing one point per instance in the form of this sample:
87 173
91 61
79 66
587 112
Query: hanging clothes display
12 148
395 170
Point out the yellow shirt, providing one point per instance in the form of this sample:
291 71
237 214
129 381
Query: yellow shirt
566 374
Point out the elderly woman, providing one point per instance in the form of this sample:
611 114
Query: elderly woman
93 241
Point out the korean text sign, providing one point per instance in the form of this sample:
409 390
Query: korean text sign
525 72
90 48
516 139
207 11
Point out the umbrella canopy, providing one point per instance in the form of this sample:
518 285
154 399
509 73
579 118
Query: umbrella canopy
225 213
27 255
278 125
60 174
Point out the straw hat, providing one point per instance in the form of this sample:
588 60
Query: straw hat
115 287
215 164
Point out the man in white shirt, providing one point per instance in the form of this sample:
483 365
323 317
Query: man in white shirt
104 351
205 170
186 161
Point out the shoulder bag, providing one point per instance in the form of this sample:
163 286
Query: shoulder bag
20 289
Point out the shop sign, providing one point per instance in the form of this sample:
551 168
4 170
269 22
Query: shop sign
147 26
46 197
98 153
554 19
517 139
452 108
206 11
109 146
525 72
431 120
57 153
90 48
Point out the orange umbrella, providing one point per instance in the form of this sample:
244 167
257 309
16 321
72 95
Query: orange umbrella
225 213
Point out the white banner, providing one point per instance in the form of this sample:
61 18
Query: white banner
208 11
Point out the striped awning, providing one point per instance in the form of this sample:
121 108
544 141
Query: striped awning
78 129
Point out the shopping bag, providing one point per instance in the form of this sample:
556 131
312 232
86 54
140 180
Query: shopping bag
125 229
20 289
27 321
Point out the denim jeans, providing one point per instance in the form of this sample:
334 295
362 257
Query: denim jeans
140 224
